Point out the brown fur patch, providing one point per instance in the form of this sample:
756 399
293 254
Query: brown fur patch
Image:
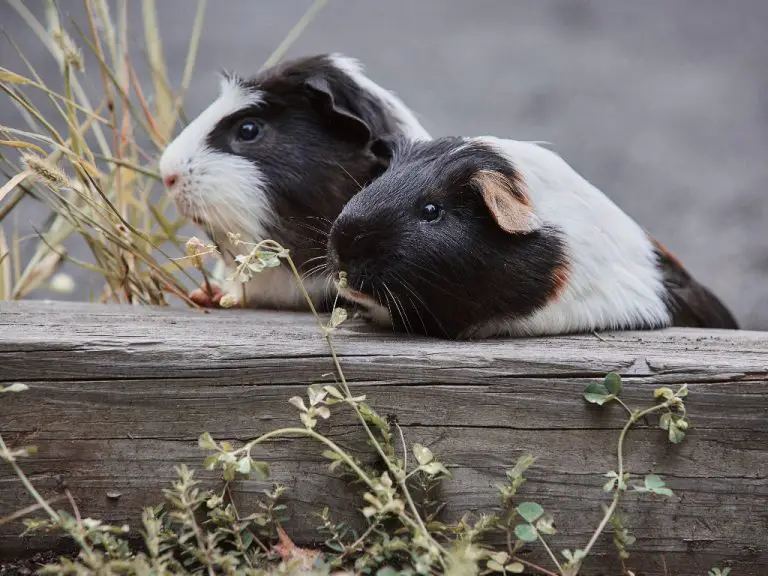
667 254
561 275
507 201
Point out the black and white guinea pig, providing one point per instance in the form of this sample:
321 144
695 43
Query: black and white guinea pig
276 157
480 237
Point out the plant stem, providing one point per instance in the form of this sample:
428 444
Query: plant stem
398 474
549 551
634 417
533 566
27 484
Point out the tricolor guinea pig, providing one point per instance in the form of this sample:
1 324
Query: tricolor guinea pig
480 237
276 157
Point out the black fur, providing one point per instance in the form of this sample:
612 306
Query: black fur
317 147
442 278
691 304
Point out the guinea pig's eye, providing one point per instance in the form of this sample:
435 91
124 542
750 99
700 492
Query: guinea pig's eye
431 212
248 130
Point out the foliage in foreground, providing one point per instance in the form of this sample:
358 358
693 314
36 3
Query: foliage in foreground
200 531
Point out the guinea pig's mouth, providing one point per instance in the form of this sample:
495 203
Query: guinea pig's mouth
372 307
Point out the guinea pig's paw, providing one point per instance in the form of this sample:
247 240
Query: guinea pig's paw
206 299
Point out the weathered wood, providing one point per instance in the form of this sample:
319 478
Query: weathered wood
119 396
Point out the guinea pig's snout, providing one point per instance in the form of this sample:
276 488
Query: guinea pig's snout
170 180
352 244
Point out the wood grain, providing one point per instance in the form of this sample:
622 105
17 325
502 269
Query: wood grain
119 395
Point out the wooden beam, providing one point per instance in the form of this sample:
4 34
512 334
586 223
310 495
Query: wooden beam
119 395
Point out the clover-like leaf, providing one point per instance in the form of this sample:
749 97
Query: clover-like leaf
530 511
298 402
261 469
546 525
495 566
423 454
434 468
515 568
682 393
676 434
597 393
244 465
316 394
526 532
665 420
333 391
206 441
613 383
663 392
307 420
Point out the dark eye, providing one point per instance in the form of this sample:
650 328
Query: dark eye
431 212
248 130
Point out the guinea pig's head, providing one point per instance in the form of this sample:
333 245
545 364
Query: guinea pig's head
278 155
446 241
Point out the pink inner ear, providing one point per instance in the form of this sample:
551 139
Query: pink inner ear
508 202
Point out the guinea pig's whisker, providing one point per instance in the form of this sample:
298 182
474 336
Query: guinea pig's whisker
323 233
360 186
398 309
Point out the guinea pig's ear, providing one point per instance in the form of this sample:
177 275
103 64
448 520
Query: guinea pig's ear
339 117
507 200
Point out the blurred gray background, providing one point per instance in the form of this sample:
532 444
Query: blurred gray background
663 104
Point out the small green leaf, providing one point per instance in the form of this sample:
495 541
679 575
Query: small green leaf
423 454
307 420
665 420
653 481
298 403
261 469
226 446
613 383
387 571
500 557
663 492
610 485
323 412
333 391
682 393
316 395
495 566
526 532
530 511
663 392
338 316
546 525
515 568
435 468
676 435
597 393
210 461
331 455
244 465
206 441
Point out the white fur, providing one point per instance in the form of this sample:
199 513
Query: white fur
410 126
614 281
224 190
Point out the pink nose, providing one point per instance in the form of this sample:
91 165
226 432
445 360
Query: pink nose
170 180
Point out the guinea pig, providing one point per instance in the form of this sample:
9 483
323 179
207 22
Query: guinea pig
276 157
479 237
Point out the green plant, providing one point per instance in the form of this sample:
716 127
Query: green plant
198 531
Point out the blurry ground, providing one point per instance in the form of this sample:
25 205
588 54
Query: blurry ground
663 104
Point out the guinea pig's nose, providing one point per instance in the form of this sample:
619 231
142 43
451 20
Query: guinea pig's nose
352 242
170 180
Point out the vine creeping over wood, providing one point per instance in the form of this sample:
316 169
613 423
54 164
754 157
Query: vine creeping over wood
114 390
